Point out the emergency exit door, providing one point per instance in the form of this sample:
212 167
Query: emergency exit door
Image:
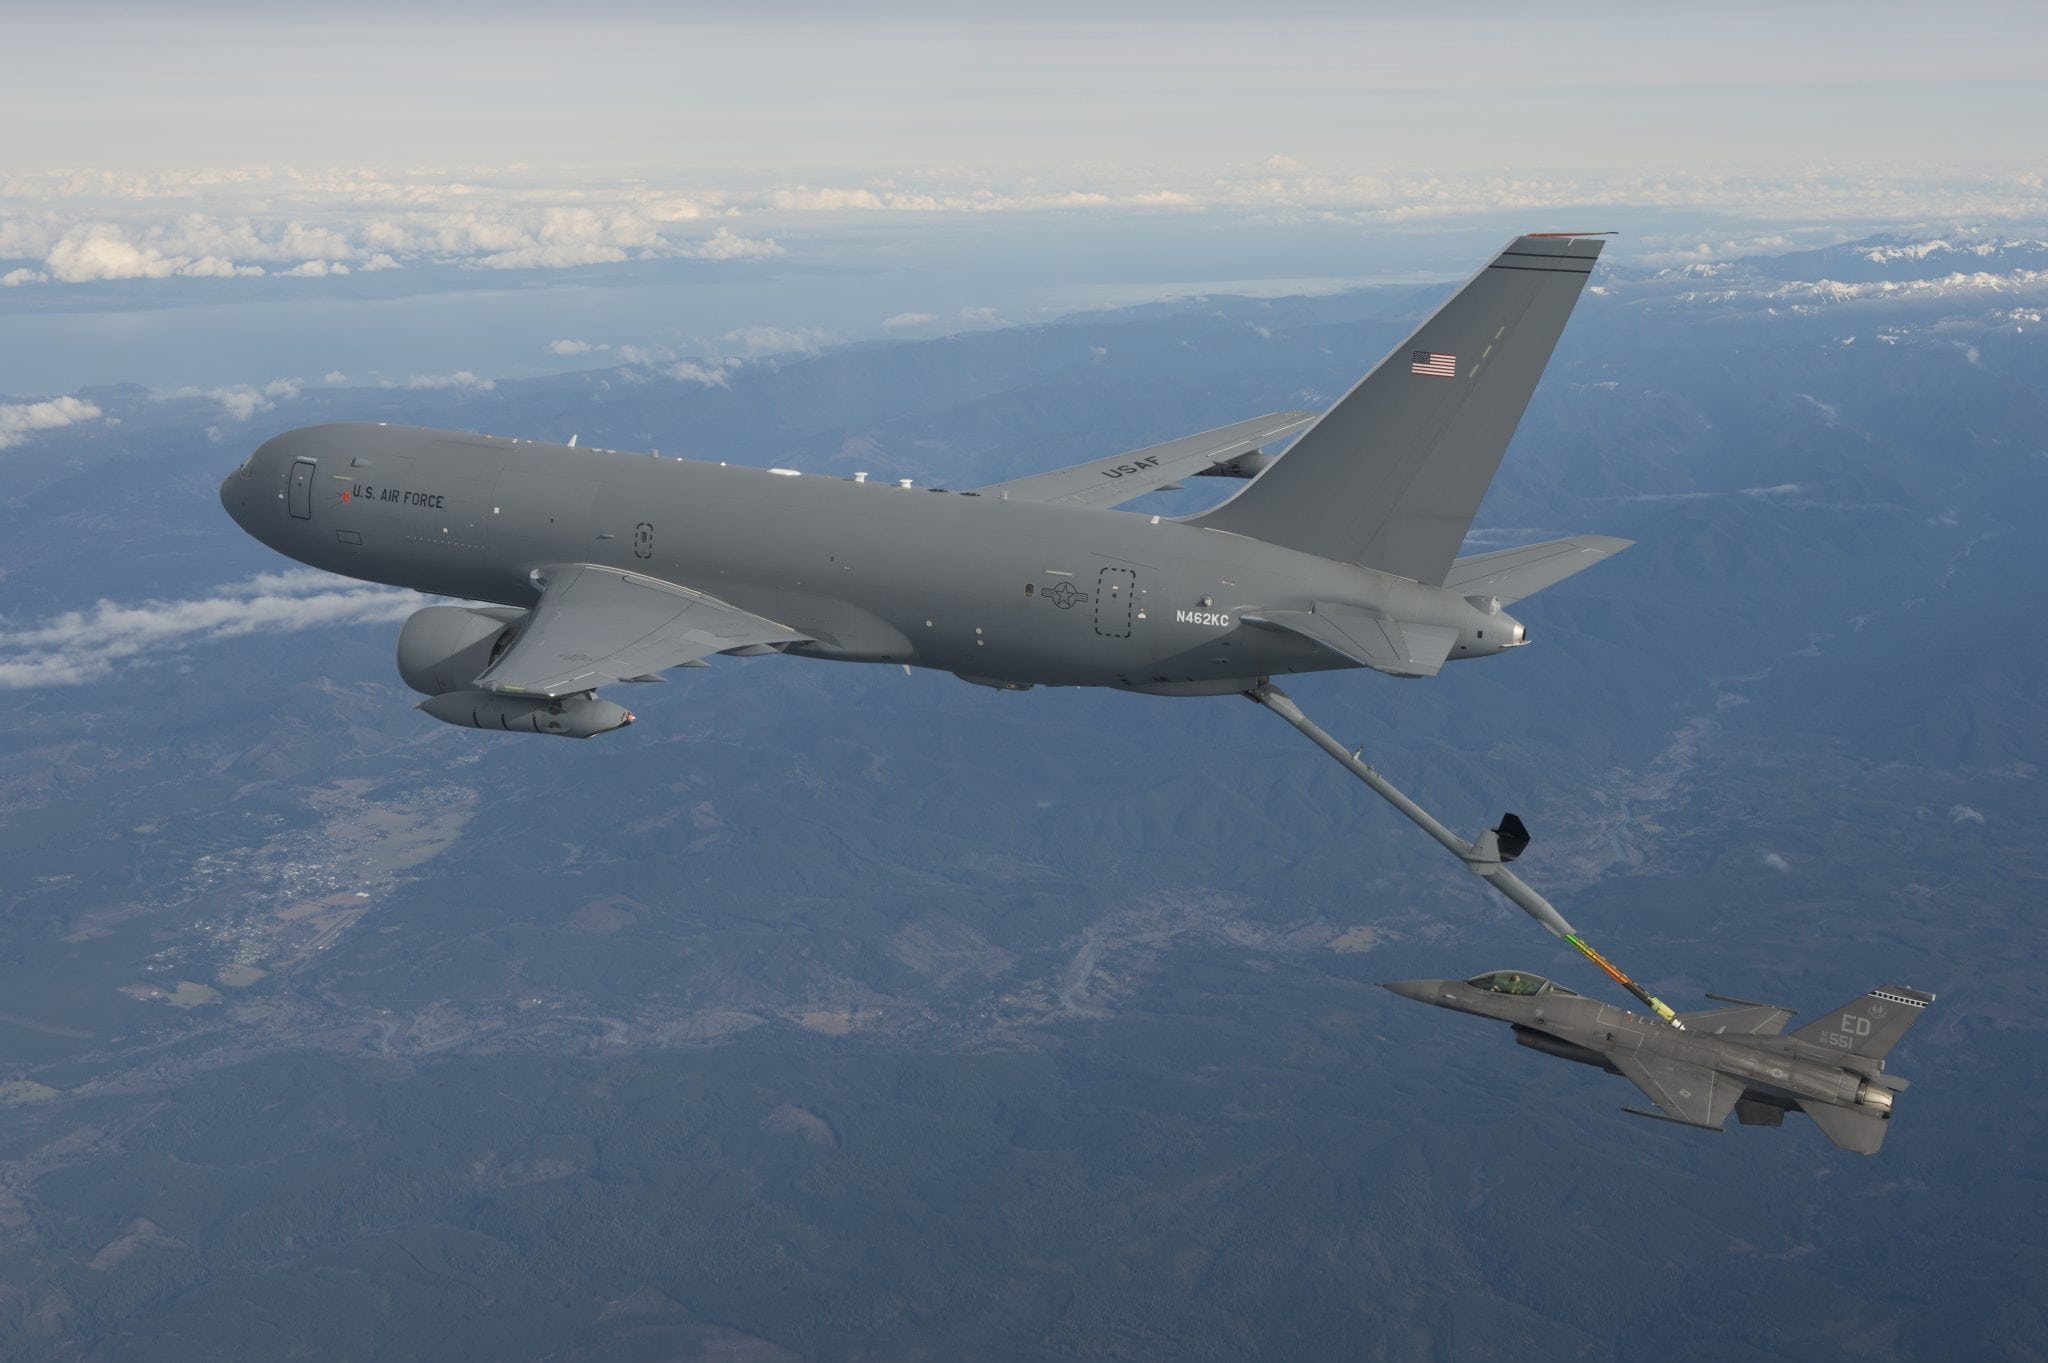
1116 591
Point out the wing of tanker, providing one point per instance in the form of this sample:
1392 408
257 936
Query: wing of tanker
1367 637
1692 1094
596 625
1122 477
1508 575
1391 476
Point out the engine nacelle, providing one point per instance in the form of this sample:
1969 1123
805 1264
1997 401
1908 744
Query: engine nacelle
1874 1096
583 716
446 648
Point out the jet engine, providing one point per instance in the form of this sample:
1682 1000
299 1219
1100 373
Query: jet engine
443 650
446 648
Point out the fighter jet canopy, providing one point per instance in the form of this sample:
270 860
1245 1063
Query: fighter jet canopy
1518 982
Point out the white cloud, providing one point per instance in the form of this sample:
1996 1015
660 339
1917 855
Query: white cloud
776 340
314 269
689 371
1775 490
1776 862
909 319
574 347
15 278
728 245
84 646
240 401
103 250
334 376
1965 814
19 419
461 378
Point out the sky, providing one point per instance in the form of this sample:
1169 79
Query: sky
973 163
803 89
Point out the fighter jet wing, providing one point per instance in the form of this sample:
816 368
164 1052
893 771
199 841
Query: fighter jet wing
595 625
1367 637
1121 477
1692 1094
1749 1019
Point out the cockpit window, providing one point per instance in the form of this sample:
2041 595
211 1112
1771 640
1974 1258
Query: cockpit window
1516 982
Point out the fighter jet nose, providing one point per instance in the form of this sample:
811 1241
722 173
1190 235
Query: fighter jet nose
1422 991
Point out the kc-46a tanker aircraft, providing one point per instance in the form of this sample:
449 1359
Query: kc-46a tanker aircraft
606 567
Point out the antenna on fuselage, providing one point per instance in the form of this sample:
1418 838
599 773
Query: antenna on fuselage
572 441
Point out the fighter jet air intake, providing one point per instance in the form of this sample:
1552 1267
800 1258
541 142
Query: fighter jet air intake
595 567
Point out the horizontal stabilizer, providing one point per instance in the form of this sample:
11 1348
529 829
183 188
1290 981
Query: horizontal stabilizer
1367 637
1121 477
1850 1128
1508 575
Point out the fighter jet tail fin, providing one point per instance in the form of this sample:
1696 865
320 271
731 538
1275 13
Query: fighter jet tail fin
1869 1026
1391 476
1861 1132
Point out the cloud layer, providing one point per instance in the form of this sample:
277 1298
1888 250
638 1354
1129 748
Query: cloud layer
81 227
86 646
18 420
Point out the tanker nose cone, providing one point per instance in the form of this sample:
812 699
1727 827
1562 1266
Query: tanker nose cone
233 492
1422 991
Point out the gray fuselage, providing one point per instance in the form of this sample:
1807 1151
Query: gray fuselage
1782 1070
997 590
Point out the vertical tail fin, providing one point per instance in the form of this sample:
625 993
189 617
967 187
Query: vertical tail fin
1391 476
1869 1026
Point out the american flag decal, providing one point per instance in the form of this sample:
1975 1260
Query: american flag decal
1433 363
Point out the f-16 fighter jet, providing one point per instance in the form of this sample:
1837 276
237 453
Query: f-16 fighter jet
1832 1070
595 567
